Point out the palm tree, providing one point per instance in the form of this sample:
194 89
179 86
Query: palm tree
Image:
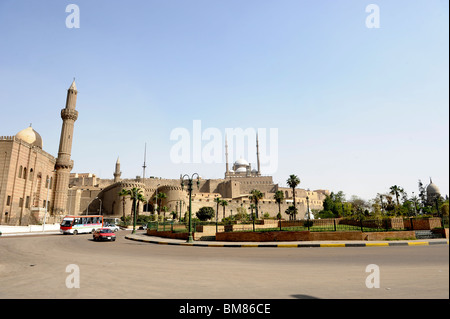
123 193
165 210
255 196
217 200
223 203
159 199
293 181
279 197
252 207
136 196
396 191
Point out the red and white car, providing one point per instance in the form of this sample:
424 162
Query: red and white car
104 234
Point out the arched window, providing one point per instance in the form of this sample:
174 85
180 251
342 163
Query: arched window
31 174
46 182
20 171
25 173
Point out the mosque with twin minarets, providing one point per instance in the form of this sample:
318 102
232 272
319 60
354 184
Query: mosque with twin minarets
34 183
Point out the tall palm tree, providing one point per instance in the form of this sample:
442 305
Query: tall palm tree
159 199
137 196
123 193
279 197
255 196
217 200
396 191
223 203
252 207
293 181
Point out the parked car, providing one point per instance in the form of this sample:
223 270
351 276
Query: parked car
143 227
104 234
113 227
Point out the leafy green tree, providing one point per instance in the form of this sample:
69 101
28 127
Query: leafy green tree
205 213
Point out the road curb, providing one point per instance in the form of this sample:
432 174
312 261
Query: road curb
141 238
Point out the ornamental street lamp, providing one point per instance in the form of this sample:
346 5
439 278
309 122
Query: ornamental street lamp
307 204
189 180
135 195
100 205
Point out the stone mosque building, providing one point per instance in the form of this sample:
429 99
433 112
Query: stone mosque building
89 194
32 181
34 184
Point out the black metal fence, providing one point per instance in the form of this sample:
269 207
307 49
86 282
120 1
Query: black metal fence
314 225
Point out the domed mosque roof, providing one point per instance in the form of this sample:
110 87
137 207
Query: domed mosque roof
432 188
241 162
30 136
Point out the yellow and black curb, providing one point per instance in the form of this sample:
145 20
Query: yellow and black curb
294 245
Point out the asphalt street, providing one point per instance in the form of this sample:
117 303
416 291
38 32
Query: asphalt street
45 266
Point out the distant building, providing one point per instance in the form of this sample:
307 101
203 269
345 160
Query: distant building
88 193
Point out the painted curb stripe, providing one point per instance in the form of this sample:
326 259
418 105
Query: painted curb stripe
355 245
376 244
332 245
420 243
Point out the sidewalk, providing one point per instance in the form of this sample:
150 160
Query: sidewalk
142 237
6 231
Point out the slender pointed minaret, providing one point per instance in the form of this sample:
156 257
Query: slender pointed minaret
257 155
227 171
144 166
64 164
117 173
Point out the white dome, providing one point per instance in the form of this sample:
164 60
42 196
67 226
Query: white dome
241 170
433 189
30 136
241 161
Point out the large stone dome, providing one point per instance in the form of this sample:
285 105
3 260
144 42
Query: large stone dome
432 189
30 136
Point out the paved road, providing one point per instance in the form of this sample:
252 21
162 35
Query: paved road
35 267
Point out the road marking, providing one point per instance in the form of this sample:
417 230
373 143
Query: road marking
419 243
332 245
287 245
376 244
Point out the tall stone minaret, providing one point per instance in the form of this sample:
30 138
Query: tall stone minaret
257 155
117 173
64 164
227 171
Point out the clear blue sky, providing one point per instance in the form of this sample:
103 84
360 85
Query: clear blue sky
356 109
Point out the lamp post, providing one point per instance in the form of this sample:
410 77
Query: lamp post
307 207
100 212
46 204
134 215
189 181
